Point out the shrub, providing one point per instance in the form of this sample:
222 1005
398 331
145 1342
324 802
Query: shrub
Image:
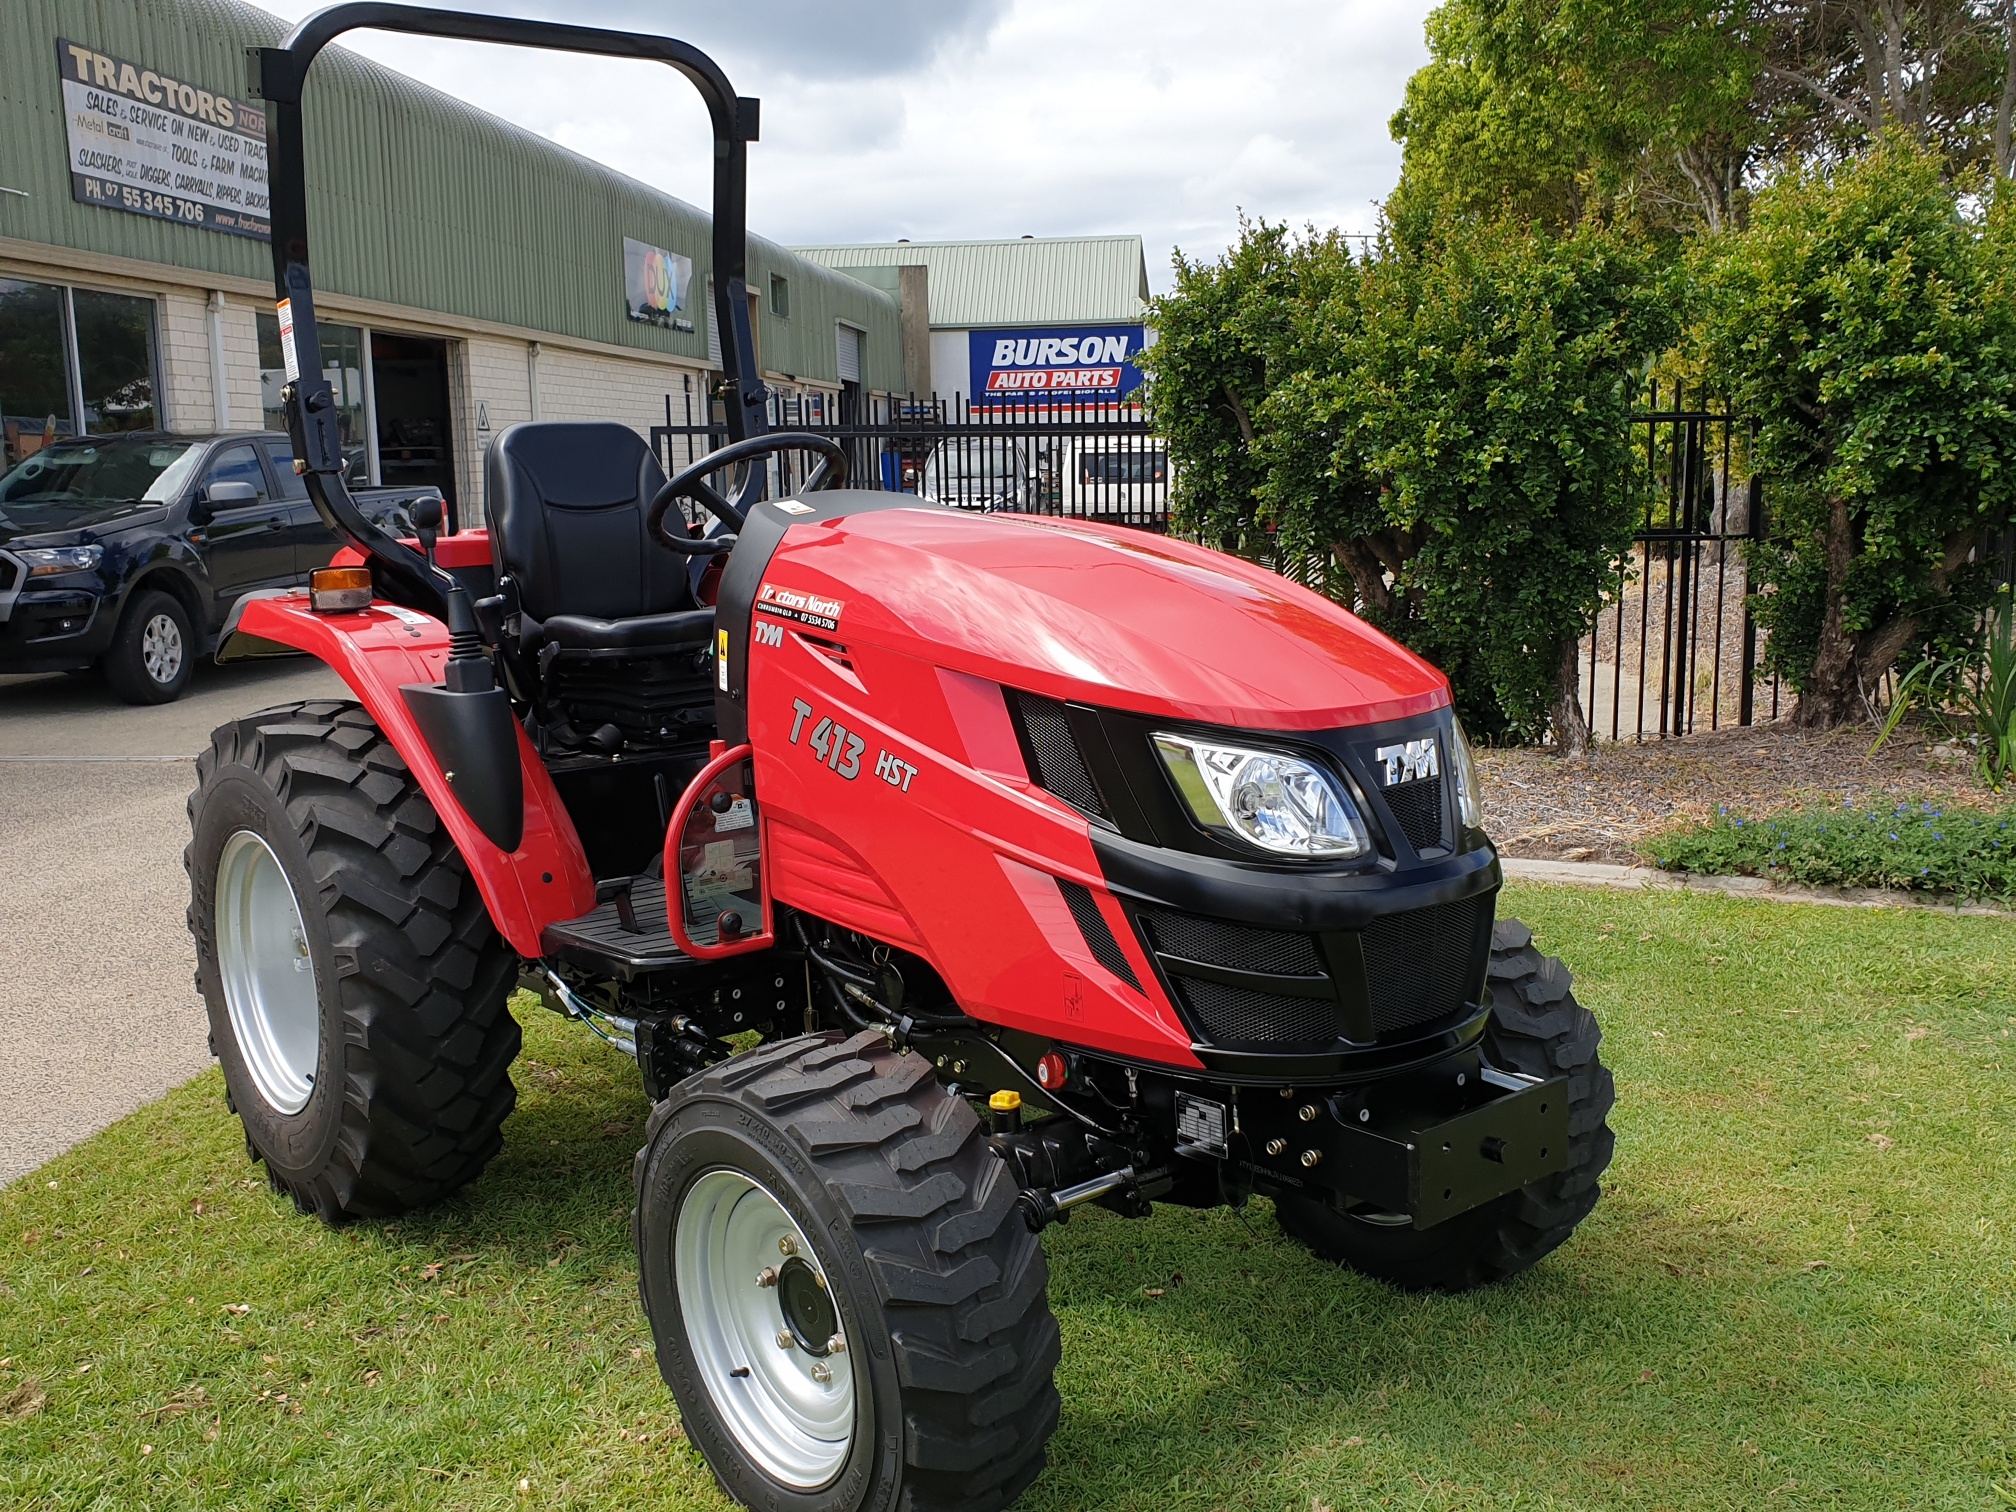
1916 846
1864 322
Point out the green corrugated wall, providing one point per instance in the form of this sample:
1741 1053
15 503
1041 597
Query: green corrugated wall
415 198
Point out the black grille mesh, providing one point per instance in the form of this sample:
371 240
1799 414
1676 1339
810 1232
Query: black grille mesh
1239 946
1417 806
1419 965
1233 1016
1060 769
1098 937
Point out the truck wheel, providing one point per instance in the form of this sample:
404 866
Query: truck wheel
1536 1028
355 986
846 1302
153 652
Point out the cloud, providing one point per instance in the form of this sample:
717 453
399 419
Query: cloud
946 120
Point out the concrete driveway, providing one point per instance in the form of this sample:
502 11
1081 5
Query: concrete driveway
99 1014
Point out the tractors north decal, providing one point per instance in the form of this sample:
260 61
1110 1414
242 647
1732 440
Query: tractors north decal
796 604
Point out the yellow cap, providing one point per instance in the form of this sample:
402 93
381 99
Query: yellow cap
1005 1101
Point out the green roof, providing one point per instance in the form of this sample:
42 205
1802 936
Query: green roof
416 198
1031 281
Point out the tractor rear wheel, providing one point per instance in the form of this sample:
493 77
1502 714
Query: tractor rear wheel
1536 1028
846 1301
355 986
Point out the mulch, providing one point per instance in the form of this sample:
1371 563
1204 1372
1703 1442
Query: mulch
1540 805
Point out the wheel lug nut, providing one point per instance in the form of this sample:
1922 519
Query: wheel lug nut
1307 1112
1311 1158
784 1339
787 1245
822 1374
836 1345
767 1276
1276 1146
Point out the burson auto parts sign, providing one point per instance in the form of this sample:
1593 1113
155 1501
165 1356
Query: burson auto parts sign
1073 362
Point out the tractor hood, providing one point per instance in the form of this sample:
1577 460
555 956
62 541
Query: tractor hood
1098 614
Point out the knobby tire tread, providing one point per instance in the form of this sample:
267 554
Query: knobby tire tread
423 977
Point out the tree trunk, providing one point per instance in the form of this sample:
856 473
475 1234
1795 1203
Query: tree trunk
1368 579
1571 728
2005 110
1830 695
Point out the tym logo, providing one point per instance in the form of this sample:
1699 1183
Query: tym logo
768 634
1058 351
1409 762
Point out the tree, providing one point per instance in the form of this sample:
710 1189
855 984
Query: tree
1225 336
1666 112
1461 446
1865 324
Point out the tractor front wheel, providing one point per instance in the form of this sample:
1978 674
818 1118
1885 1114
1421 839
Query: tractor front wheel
846 1301
1537 1028
355 986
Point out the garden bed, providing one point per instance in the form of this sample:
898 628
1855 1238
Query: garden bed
1602 807
1794 1293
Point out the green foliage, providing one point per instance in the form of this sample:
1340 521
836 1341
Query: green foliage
1470 421
1559 109
1980 687
1864 323
1225 336
1965 851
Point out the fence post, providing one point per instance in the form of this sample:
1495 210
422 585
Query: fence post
1753 525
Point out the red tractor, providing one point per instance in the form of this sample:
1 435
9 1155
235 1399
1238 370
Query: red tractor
943 872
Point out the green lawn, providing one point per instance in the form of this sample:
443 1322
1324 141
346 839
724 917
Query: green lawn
1797 1292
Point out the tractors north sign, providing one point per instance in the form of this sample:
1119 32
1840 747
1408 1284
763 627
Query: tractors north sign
1078 362
144 141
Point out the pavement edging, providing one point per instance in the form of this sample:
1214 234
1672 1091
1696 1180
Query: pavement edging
1649 878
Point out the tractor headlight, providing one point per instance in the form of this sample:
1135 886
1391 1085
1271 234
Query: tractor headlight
1469 798
53 561
1279 803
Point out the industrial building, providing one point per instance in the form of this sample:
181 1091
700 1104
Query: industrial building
469 274
1018 321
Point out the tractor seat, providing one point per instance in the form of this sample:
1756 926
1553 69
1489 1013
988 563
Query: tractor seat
566 509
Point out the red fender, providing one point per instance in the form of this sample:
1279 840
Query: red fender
375 651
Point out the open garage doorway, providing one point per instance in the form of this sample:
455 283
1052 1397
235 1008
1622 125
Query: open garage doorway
409 380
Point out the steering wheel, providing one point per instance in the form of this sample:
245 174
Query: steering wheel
690 483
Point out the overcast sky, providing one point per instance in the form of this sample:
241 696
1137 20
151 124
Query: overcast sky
952 118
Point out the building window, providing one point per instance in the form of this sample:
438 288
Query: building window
343 367
780 296
72 361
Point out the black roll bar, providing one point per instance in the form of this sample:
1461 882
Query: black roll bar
279 74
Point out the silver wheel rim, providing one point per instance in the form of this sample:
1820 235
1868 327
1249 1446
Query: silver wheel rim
161 648
764 1383
268 974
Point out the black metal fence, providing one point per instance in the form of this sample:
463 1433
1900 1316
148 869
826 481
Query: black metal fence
1675 648
1093 460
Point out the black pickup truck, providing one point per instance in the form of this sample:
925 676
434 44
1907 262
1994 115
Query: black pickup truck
130 551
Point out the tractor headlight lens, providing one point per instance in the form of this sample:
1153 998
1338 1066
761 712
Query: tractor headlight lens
53 561
1279 803
1469 798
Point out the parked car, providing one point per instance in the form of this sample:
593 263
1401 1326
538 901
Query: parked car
996 474
130 551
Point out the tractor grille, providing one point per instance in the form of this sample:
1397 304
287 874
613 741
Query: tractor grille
1417 808
1235 1016
1098 936
1239 946
1420 965
1060 768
